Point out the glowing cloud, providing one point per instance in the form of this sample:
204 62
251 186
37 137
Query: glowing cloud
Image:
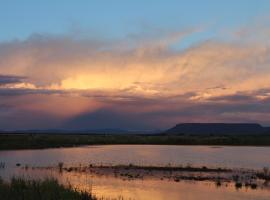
76 80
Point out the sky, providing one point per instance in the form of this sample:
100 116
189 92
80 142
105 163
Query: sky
137 65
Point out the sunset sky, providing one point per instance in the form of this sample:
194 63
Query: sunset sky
139 65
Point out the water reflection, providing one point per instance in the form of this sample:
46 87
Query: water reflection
232 157
147 189
143 189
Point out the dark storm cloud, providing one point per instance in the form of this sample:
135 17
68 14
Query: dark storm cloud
110 119
25 91
9 79
4 108
250 96
175 109
131 112
23 119
234 98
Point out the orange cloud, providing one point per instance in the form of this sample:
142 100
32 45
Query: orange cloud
66 77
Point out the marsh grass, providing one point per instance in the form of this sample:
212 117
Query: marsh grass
48 189
238 185
60 166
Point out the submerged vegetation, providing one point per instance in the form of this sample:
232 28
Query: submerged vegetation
220 176
39 141
49 189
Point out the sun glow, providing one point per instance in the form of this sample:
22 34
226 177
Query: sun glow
131 78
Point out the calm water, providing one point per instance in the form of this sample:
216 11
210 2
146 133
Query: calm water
232 157
151 189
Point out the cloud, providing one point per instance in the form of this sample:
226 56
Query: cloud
27 91
164 112
139 81
140 65
8 79
109 119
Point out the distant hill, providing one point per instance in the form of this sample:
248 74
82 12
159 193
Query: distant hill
179 129
218 129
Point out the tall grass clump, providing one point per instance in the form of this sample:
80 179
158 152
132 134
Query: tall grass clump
60 166
48 189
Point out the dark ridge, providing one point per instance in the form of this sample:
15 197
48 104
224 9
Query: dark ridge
218 129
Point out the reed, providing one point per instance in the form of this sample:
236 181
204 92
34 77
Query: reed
48 189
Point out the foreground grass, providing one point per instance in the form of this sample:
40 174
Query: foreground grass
39 141
50 189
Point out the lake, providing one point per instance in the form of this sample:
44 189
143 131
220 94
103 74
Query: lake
155 155
211 156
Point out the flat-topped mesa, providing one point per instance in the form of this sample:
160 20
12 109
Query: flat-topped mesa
218 129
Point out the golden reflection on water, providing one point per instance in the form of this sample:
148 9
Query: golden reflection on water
110 187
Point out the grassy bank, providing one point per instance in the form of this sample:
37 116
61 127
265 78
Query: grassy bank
50 189
39 141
